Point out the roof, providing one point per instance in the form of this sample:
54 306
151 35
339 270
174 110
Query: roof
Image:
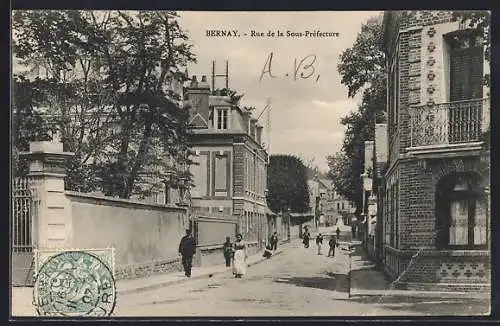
219 100
270 212
326 182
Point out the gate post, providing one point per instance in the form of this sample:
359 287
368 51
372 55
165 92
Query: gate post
52 225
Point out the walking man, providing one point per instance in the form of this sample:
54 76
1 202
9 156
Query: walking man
332 244
306 238
274 241
319 242
187 248
338 233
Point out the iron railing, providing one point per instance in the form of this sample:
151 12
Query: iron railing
22 215
24 211
448 123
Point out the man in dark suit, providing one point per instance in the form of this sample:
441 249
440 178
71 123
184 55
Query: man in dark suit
187 248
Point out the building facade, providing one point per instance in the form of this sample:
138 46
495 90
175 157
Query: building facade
230 170
327 205
435 196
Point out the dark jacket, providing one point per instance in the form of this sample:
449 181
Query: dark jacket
228 249
319 239
274 239
332 243
187 247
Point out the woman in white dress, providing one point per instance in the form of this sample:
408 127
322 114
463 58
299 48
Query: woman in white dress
240 257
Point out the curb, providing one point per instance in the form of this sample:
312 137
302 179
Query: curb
416 294
197 277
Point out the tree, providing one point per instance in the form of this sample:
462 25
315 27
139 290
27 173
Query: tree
27 125
341 173
111 75
287 184
363 69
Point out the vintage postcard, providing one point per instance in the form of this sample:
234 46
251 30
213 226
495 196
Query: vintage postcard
244 164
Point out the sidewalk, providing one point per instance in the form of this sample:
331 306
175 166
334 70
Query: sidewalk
22 297
158 281
367 280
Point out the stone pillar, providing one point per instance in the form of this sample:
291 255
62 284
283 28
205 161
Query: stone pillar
52 224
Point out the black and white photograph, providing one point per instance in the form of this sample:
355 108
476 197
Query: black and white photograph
250 163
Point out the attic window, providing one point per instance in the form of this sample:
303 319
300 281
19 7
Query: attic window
222 119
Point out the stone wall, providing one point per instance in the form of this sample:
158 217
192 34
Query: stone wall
145 236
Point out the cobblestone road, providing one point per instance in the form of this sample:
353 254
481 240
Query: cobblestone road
296 283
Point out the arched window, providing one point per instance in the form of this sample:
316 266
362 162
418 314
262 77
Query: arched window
461 212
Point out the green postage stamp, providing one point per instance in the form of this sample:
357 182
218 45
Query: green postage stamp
75 283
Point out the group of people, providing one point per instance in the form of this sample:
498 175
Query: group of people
235 253
332 243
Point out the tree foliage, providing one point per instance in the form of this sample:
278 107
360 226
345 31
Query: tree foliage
363 69
107 80
287 184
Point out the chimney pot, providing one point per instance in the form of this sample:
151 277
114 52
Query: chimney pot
194 79
203 79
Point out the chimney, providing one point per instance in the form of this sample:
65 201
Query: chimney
259 134
253 121
198 96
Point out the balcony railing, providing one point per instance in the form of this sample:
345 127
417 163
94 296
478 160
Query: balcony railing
457 122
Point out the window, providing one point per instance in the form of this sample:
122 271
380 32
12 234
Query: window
200 176
221 175
338 207
222 119
343 206
466 66
461 212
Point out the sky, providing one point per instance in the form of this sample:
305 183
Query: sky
305 112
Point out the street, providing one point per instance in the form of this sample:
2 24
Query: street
296 283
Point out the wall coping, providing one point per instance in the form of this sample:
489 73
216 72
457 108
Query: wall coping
144 264
130 202
432 252
219 246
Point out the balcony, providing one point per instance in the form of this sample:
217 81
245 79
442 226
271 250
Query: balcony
448 127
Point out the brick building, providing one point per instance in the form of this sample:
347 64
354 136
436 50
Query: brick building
434 198
230 175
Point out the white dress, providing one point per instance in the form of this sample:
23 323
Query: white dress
239 263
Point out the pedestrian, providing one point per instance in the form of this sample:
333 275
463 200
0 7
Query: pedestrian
240 257
187 248
306 238
274 241
228 251
353 231
332 244
338 233
268 251
319 242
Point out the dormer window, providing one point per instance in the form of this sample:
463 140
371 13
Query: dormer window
222 119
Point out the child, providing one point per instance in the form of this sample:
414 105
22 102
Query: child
228 251
268 252
319 242
332 243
